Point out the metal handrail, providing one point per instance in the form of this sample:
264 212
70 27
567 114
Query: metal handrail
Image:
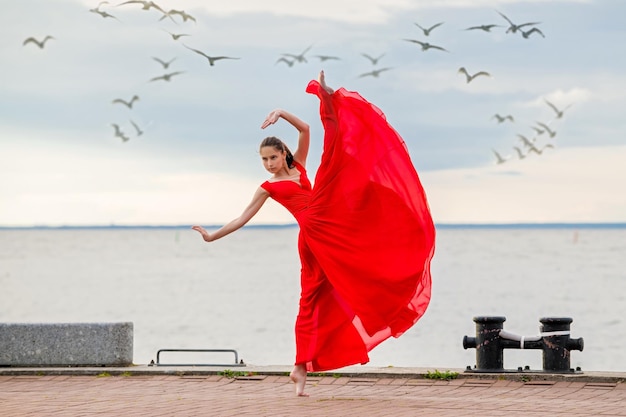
236 363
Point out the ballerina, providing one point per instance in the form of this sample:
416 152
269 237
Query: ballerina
366 236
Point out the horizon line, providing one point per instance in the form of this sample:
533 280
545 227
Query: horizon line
443 225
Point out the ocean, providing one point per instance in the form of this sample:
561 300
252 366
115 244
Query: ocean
241 292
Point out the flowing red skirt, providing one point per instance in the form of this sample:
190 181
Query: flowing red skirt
366 238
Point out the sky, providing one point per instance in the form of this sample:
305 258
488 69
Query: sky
197 161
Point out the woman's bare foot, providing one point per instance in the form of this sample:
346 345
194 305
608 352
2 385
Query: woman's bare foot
298 376
321 79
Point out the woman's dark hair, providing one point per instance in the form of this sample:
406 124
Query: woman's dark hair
280 146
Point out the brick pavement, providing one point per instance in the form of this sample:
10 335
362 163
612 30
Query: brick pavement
162 394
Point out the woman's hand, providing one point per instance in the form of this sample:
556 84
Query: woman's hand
205 235
271 118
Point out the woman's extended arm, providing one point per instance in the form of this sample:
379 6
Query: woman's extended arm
304 134
257 202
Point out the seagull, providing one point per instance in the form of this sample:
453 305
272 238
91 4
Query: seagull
186 16
166 77
323 58
425 45
547 129
373 60
128 104
559 113
285 60
211 59
40 44
374 73
176 36
520 154
486 28
102 12
469 77
119 133
530 32
539 131
147 5
137 129
513 27
165 64
538 151
501 119
527 142
300 57
499 158
428 30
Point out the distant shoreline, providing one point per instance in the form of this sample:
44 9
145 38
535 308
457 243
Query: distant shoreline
617 225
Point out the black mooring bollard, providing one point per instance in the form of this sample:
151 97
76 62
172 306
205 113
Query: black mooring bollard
489 356
491 340
557 343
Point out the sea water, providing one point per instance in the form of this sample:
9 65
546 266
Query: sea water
241 292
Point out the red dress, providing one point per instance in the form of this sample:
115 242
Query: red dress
366 236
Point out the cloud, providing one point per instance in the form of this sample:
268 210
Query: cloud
566 185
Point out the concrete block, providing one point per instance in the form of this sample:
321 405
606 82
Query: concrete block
66 344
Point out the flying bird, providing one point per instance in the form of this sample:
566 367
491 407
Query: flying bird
373 60
428 30
514 27
559 113
375 73
529 32
469 78
537 130
186 16
285 60
538 151
129 103
146 5
176 36
499 158
425 45
323 58
502 119
102 12
520 154
137 129
547 129
40 44
166 77
118 133
486 28
527 142
211 59
165 64
299 57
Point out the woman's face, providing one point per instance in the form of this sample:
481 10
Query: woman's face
273 159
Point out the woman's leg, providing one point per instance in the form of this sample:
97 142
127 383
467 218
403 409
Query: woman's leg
298 376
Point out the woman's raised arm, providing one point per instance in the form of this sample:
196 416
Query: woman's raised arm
304 134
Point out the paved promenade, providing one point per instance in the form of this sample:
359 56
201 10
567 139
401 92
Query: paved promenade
249 391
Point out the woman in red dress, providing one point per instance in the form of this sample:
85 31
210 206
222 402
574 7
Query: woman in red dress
366 235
